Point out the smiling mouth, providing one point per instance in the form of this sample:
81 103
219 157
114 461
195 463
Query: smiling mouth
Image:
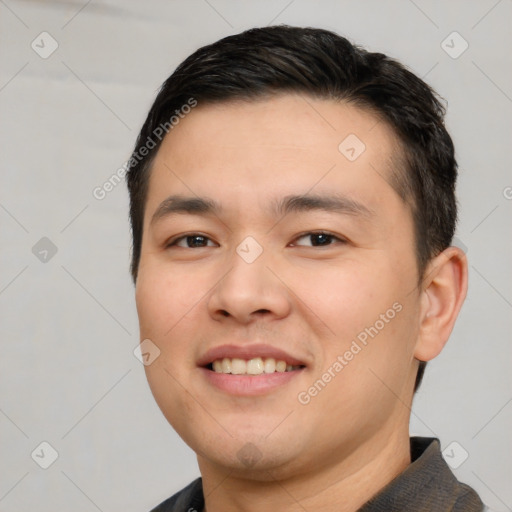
254 366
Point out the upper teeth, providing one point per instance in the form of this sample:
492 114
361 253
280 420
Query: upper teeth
255 366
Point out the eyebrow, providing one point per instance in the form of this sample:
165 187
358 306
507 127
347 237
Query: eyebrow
178 204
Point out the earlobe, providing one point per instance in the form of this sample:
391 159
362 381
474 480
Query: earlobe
443 292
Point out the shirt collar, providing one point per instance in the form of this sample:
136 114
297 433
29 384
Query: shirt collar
426 484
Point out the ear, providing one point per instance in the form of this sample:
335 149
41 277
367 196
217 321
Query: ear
444 289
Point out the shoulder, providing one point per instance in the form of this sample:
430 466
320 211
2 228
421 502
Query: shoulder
468 499
189 499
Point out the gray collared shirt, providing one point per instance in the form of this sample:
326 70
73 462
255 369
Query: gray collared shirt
427 484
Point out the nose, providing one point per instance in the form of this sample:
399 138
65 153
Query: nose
248 291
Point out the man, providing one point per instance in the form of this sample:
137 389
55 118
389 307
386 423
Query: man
292 209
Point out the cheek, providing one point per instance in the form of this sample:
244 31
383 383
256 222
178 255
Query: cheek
164 381
162 308
362 311
365 375
168 304
163 298
345 297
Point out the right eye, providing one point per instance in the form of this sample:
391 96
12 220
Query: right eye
189 241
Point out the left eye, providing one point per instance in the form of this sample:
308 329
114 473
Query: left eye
320 239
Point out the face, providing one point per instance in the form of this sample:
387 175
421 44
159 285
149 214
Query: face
295 253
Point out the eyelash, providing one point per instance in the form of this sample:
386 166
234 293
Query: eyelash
174 242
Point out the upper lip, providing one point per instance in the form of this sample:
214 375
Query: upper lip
247 352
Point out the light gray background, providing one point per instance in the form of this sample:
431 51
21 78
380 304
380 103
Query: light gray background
68 375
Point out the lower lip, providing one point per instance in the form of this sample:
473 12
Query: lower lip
249 385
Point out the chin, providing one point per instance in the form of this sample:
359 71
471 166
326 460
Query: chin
249 461
250 454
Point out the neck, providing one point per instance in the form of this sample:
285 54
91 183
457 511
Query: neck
343 486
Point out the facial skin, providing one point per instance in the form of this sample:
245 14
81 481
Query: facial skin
308 299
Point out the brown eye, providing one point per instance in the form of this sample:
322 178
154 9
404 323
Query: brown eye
190 241
320 239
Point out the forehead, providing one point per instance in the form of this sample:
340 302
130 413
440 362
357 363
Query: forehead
291 120
278 146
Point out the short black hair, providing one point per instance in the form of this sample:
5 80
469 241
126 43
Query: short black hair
263 62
